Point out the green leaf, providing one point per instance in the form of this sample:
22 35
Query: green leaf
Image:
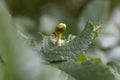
71 49
84 58
18 56
56 74
88 70
115 65
7 41
81 58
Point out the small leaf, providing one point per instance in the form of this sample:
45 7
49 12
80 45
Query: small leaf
71 49
81 58
84 58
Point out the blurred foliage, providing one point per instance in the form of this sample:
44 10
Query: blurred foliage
16 55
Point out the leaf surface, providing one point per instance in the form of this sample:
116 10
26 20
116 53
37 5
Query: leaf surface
71 49
88 70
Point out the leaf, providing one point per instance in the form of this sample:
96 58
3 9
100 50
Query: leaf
84 58
6 30
81 58
88 70
21 63
56 74
115 65
72 49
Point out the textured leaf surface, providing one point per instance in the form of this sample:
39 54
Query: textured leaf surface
71 49
88 70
